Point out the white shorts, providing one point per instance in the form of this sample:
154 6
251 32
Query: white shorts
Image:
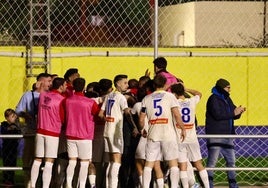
140 151
115 145
81 149
141 148
46 146
189 151
155 149
98 150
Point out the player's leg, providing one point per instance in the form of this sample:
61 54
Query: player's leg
73 155
39 155
50 156
171 153
85 156
183 159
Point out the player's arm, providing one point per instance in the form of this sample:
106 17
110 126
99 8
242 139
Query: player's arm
179 122
142 116
129 117
102 110
193 92
101 114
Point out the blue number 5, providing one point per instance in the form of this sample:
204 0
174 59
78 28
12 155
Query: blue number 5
158 107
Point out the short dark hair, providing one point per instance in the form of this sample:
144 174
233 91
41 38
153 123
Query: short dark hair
133 83
8 112
141 93
57 82
159 81
160 63
42 75
69 73
177 89
94 85
79 84
105 85
118 78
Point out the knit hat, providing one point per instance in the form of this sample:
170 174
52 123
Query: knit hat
70 72
160 62
222 83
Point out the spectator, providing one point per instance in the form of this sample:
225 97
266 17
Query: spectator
220 115
27 109
9 146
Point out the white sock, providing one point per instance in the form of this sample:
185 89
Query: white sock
190 174
46 177
146 178
83 173
35 172
70 172
204 177
174 176
107 174
140 183
113 176
184 179
160 182
92 180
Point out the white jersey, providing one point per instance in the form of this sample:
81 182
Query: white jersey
187 109
113 105
136 110
158 107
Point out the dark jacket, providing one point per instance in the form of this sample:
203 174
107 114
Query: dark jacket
7 128
9 144
220 113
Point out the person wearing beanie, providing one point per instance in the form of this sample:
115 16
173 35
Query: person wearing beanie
220 115
222 83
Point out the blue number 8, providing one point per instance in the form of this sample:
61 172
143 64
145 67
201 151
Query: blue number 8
186 115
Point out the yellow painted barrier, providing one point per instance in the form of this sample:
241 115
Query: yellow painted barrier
247 74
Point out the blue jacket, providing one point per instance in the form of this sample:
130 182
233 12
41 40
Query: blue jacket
220 113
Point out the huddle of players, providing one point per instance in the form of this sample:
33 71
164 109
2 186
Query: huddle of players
166 125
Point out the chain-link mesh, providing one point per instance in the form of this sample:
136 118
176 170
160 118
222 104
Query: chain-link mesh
130 23
249 153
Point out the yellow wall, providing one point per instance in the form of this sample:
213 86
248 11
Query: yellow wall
247 75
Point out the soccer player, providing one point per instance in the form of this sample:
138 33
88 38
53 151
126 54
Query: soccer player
161 107
50 120
141 148
80 112
187 107
114 105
